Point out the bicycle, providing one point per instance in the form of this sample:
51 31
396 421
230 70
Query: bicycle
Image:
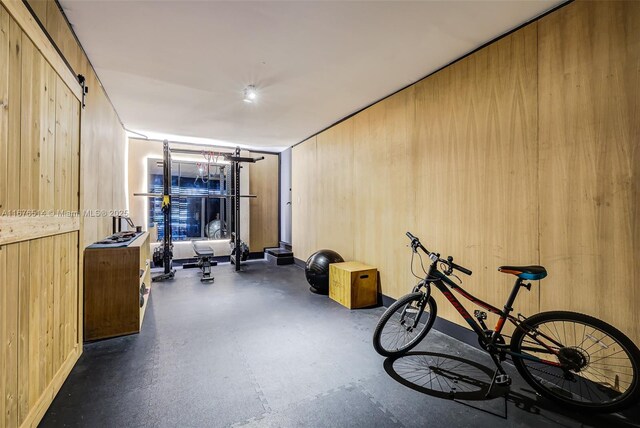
568 357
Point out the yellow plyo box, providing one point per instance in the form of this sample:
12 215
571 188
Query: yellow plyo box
353 284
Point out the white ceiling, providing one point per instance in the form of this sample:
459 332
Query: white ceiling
179 67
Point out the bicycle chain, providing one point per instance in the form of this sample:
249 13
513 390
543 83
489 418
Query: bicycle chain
550 374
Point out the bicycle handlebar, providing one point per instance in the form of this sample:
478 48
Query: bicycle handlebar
415 243
460 268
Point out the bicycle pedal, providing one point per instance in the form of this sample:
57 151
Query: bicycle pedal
481 315
503 380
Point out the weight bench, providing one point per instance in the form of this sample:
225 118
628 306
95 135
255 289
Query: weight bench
205 260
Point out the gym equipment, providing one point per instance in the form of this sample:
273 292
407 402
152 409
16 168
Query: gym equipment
244 252
205 260
241 250
279 256
158 259
167 245
317 270
216 229
166 249
143 291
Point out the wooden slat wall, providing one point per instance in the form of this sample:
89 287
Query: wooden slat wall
304 199
48 318
589 85
39 170
4 112
524 152
103 137
263 210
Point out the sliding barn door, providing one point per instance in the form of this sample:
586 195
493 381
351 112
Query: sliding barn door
39 219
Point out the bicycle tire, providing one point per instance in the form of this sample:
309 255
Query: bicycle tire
387 315
594 377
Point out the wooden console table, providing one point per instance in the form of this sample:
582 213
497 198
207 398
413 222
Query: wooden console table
117 283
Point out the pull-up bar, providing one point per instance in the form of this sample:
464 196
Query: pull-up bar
208 196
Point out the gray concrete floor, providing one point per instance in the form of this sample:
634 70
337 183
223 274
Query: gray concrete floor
257 349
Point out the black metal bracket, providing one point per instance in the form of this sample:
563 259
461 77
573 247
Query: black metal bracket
238 158
85 89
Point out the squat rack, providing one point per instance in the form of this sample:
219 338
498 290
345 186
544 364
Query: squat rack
235 160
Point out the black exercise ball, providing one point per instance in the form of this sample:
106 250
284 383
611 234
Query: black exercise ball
317 269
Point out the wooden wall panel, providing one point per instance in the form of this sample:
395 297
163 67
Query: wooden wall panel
4 111
475 166
47 144
4 375
103 137
4 92
9 257
31 134
63 147
58 29
24 311
48 13
333 187
39 8
524 152
452 159
39 276
44 282
10 88
589 89
263 182
304 200
28 23
102 161
14 112
101 129
382 183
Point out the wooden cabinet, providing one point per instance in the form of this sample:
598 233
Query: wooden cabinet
117 283
353 284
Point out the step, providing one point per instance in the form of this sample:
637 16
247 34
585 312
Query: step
278 252
279 261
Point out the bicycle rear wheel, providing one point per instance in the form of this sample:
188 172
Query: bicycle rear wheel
397 332
578 360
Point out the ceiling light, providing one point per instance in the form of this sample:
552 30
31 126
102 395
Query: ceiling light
250 94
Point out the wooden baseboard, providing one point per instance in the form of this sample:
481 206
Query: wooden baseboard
40 408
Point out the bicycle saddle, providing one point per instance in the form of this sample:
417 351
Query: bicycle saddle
525 272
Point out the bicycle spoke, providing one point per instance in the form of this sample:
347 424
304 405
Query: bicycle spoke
595 370
607 357
609 365
398 332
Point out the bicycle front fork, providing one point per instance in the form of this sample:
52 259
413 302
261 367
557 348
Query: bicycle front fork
422 305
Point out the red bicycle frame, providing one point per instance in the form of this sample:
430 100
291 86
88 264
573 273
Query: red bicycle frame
443 283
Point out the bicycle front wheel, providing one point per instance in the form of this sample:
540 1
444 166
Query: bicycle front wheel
404 324
578 360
